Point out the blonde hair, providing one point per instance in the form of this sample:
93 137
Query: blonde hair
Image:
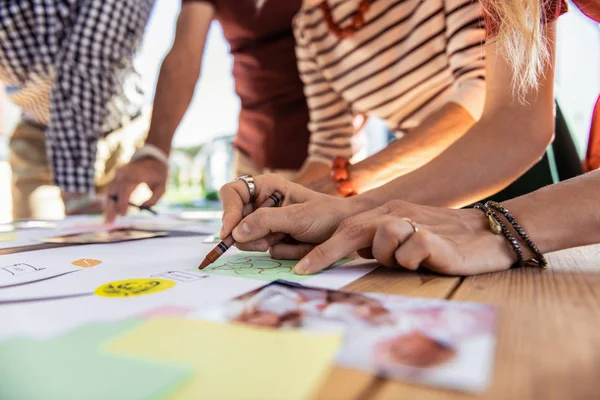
520 39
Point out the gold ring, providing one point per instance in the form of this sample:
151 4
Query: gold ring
412 224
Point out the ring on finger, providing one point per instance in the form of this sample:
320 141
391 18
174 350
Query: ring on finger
249 181
415 229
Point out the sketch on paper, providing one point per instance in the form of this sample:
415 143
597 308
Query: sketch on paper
20 269
259 266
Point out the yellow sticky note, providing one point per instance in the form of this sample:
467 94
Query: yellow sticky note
234 361
134 287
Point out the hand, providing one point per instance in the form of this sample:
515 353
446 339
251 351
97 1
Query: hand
81 203
146 170
306 216
455 242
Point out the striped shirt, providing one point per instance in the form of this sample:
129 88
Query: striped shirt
409 59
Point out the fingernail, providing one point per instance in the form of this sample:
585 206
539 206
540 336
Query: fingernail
302 266
245 227
260 246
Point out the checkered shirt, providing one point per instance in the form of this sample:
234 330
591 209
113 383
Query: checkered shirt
69 65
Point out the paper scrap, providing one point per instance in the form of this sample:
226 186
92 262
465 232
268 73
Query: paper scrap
73 366
134 287
233 361
259 266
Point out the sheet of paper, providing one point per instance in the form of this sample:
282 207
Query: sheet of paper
18 273
259 266
48 308
95 223
434 342
23 237
233 361
74 366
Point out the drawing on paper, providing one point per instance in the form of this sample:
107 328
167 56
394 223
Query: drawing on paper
180 276
86 262
263 267
133 287
20 269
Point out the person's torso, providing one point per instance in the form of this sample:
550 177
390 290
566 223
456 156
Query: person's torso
33 38
273 119
396 67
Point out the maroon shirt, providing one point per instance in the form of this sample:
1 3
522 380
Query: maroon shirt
273 121
552 10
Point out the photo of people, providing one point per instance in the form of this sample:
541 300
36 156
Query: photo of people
437 342
110 236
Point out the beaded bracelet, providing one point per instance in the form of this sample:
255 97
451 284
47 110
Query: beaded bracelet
539 258
339 173
497 227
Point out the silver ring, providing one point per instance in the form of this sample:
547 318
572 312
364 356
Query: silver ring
249 181
415 229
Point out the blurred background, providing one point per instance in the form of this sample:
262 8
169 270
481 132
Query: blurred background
199 163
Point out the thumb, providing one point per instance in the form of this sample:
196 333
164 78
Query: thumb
156 195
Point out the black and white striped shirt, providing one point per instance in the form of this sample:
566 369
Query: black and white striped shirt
68 65
409 59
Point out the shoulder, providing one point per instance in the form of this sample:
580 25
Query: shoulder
307 18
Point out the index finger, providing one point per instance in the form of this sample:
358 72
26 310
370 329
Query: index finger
350 237
235 195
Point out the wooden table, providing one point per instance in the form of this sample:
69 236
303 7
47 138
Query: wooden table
548 337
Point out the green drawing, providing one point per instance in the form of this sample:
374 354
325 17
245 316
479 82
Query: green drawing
263 267
75 366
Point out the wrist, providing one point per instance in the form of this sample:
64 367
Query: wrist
150 151
498 250
361 203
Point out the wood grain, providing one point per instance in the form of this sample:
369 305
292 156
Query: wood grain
548 332
549 328
350 384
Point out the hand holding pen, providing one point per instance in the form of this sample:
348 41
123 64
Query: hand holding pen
273 201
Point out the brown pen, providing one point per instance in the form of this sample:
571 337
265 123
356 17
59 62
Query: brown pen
273 201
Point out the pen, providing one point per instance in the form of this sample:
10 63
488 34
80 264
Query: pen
273 201
115 198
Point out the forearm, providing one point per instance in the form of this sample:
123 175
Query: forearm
563 215
174 92
179 73
434 135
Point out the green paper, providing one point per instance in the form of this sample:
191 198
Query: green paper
260 266
75 366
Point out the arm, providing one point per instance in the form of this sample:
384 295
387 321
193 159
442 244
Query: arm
438 131
88 72
465 36
561 216
174 91
330 116
179 73
508 139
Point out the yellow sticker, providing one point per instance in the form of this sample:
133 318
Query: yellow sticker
86 262
134 287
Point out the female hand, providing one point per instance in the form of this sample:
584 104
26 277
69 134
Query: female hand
455 242
307 216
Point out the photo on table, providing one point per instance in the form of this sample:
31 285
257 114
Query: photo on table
435 342
111 236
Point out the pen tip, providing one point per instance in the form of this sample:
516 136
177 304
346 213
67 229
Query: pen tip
204 264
